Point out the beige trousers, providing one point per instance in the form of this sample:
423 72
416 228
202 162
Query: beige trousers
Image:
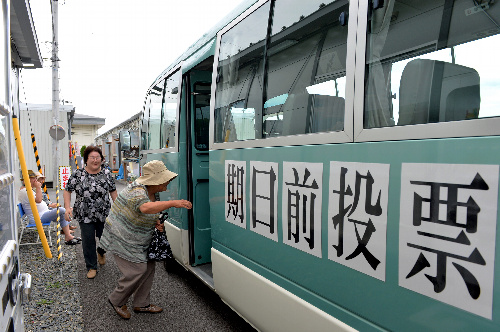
136 278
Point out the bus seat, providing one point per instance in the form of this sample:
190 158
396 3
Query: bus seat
437 91
463 103
273 127
295 114
328 113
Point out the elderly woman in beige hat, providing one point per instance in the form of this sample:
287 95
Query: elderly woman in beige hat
127 234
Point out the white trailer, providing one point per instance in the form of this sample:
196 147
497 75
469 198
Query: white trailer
41 118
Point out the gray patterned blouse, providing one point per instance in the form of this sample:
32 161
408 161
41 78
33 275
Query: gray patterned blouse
127 231
92 201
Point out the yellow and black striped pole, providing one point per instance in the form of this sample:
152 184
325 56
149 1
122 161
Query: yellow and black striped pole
59 251
38 162
74 155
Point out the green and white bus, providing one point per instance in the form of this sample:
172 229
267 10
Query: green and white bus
343 159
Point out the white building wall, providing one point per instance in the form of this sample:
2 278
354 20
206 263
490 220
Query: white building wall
83 135
41 121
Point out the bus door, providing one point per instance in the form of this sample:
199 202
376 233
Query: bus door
198 118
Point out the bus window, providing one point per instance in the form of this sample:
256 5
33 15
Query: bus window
202 115
303 90
306 69
239 81
169 118
445 72
155 110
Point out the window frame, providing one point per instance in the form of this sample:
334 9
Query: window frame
176 70
162 98
304 139
466 128
194 116
141 124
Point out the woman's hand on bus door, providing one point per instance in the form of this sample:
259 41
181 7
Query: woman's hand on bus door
182 203
158 206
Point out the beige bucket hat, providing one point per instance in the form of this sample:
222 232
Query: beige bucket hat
39 175
155 173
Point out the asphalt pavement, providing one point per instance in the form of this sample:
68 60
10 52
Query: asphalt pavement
189 305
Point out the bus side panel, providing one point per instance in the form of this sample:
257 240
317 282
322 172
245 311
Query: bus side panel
333 287
234 281
178 240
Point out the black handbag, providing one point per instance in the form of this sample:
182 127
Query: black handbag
159 248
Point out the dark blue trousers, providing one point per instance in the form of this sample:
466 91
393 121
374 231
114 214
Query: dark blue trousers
89 232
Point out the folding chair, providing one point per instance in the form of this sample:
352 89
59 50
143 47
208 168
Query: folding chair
25 225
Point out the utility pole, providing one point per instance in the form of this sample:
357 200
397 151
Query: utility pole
55 91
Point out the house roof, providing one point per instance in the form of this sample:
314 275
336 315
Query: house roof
82 119
45 107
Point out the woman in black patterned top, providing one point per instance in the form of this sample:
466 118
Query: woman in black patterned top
93 186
